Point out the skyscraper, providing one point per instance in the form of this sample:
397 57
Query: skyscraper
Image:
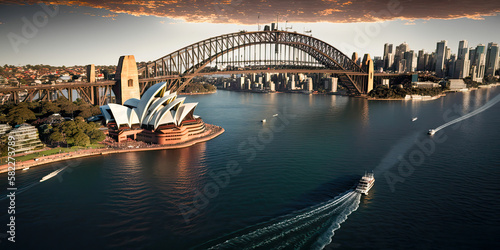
441 49
492 59
388 56
411 61
462 64
421 60
480 62
399 55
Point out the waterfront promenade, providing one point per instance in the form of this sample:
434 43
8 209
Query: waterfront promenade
113 148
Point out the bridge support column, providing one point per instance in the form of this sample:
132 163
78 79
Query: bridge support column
91 73
96 95
127 80
369 70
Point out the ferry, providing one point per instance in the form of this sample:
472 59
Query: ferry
365 184
431 132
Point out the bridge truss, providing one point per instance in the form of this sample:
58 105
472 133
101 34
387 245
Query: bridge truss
250 52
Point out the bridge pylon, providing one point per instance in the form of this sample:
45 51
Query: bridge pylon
127 80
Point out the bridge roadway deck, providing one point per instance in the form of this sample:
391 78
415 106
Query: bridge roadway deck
257 71
57 86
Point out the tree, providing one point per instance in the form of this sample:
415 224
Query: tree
69 128
19 115
56 137
96 136
49 107
81 139
69 108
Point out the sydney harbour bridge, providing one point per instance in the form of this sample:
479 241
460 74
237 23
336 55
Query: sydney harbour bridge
270 51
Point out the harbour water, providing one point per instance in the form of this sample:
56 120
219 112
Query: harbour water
285 183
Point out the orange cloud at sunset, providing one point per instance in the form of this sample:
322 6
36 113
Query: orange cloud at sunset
334 11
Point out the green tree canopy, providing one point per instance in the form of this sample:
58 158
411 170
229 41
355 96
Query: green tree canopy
56 137
19 115
49 107
81 139
96 136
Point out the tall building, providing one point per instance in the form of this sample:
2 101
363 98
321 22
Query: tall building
411 61
492 59
450 68
399 55
427 59
479 62
472 54
389 62
431 66
462 64
421 60
441 49
388 56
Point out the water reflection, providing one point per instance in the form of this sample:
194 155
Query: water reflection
466 102
365 112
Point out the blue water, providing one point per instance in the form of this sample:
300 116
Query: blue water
283 184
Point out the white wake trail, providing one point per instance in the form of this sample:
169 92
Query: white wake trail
326 238
292 229
486 106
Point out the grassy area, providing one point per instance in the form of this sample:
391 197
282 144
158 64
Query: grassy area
53 151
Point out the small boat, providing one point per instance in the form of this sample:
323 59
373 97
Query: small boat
414 119
24 169
275 115
52 174
366 183
431 132
263 120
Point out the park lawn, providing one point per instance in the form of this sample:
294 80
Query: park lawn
54 151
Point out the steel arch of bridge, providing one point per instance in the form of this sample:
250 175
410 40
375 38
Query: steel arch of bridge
179 67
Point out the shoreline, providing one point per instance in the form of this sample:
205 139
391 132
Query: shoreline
436 96
406 99
202 93
214 132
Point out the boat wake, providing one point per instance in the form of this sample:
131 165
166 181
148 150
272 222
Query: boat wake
55 173
471 114
312 227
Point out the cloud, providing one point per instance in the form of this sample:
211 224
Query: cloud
334 11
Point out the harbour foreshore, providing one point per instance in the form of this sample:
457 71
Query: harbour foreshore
214 131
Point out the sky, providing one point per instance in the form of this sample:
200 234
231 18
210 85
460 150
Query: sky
99 32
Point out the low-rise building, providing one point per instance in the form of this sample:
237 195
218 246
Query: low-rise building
4 128
26 138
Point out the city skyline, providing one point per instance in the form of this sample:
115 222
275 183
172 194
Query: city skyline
75 35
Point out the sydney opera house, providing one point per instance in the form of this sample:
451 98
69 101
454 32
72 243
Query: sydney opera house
158 117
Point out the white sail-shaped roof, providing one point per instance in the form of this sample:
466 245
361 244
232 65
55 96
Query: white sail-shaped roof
132 102
176 103
183 110
121 114
107 116
152 122
155 108
146 99
132 116
166 118
157 105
